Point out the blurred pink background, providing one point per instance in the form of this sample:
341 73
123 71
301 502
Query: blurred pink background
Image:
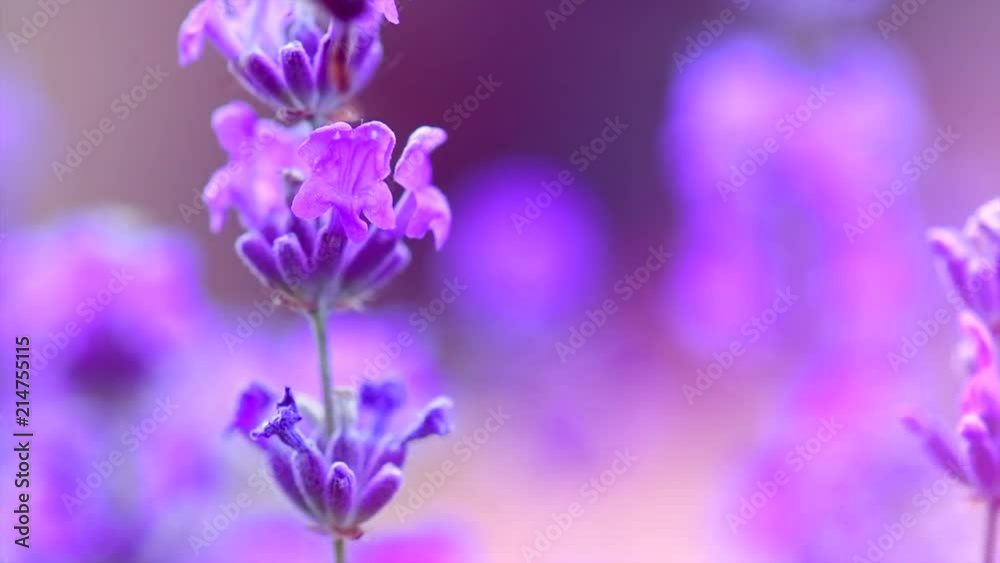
637 386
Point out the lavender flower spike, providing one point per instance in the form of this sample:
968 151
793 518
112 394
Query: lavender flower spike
979 427
969 261
321 228
304 59
341 480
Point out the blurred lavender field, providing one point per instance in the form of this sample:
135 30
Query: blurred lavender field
686 304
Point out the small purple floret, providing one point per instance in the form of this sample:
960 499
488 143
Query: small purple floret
342 480
322 229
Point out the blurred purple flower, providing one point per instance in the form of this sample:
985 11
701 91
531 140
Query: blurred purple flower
831 444
291 54
92 479
339 480
839 128
106 300
545 243
775 158
979 426
316 251
969 259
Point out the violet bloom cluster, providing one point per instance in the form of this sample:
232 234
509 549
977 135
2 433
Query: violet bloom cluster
339 479
108 300
322 229
968 260
979 425
305 59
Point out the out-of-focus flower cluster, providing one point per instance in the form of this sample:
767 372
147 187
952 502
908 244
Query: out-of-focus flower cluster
968 261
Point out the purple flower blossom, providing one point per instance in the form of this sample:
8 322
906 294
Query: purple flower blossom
546 242
968 261
317 250
348 168
979 425
339 480
107 301
303 60
87 481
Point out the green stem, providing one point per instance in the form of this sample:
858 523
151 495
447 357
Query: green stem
318 319
339 551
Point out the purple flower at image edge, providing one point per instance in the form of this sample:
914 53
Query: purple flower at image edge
106 299
979 425
968 262
304 59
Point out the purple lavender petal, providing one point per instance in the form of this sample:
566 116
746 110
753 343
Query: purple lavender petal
937 447
306 234
308 35
234 124
292 261
367 258
392 266
346 448
380 490
435 421
952 250
988 218
204 21
298 72
370 253
383 400
388 9
310 475
365 56
414 173
253 181
386 396
253 405
982 453
413 169
283 424
340 491
386 452
329 248
377 262
261 73
259 258
319 65
348 168
284 475
983 291
981 338
425 210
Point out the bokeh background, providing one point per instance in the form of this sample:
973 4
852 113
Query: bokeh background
717 288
